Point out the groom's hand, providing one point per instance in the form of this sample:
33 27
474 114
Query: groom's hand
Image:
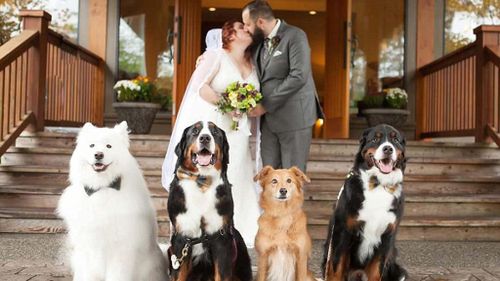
259 110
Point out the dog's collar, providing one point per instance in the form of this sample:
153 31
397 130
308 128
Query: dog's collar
203 182
115 184
374 182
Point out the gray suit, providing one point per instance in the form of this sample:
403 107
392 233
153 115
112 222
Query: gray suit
290 99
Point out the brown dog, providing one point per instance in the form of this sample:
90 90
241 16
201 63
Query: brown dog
282 243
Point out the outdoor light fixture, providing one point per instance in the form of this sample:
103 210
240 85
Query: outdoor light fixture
312 13
212 9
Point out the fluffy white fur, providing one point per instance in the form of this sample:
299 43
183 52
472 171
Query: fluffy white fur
281 265
112 233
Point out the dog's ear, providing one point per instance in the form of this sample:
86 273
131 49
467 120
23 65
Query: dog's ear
87 126
180 147
225 151
122 130
299 174
363 139
263 173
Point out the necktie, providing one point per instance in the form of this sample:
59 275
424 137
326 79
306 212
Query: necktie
266 48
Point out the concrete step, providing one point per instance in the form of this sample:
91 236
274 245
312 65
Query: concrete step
331 148
60 157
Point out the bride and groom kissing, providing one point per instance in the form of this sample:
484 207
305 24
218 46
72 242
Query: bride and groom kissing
275 58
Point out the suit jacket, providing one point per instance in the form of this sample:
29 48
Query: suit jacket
286 82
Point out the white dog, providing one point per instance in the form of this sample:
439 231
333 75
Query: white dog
108 211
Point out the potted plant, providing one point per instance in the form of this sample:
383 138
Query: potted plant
388 107
137 103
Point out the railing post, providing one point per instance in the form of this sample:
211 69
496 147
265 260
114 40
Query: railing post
485 35
39 21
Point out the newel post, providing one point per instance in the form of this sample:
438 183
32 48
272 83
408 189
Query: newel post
39 21
485 35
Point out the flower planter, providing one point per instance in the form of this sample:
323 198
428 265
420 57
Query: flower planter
394 117
139 115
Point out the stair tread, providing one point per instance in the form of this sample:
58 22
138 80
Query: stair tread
418 197
490 221
58 189
315 176
310 195
313 157
314 219
409 143
48 213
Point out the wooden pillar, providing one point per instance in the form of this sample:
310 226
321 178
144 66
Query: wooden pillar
97 23
39 21
337 59
425 32
187 44
485 35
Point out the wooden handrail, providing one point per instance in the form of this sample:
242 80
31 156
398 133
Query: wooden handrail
46 79
492 54
16 46
457 94
68 46
449 59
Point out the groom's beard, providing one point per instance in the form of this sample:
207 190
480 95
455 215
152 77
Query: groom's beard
257 37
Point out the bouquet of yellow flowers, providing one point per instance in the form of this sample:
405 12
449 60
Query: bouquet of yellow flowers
238 97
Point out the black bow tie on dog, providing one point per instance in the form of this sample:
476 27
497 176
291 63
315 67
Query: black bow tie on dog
203 182
115 184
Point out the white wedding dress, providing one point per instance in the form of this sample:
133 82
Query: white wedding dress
219 66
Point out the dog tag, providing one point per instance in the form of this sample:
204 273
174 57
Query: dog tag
175 262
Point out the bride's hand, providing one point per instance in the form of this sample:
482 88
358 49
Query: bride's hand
236 114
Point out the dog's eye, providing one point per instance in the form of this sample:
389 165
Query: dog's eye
274 181
375 140
92 145
396 140
289 180
108 145
196 131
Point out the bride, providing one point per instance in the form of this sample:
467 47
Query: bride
218 68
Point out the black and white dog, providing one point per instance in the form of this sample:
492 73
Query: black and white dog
204 244
362 231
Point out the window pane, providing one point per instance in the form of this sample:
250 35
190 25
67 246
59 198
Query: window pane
462 16
64 16
146 43
377 49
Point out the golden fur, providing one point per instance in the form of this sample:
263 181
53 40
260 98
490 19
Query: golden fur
282 231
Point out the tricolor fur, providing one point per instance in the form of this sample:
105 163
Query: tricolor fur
362 231
200 204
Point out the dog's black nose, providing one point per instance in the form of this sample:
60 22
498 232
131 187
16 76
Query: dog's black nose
283 191
205 138
99 155
387 149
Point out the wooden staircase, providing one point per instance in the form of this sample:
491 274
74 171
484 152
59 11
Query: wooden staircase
452 189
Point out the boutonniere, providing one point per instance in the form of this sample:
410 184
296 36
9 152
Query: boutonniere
275 41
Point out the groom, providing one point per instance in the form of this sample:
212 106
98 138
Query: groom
290 105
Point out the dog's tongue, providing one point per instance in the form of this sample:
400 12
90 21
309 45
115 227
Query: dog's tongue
204 160
385 168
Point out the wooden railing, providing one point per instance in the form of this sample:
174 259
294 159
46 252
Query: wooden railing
457 95
74 85
47 80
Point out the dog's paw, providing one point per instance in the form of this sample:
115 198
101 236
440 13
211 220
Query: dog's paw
357 275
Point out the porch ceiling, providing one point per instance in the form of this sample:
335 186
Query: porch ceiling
288 5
